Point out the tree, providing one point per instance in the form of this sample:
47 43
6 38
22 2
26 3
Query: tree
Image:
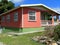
4 1
6 5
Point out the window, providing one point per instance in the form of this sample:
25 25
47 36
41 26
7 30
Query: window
16 16
8 18
32 16
2 18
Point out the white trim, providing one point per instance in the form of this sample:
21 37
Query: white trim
28 5
35 15
22 17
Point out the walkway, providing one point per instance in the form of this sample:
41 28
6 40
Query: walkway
1 43
12 33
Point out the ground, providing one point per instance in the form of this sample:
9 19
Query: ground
20 40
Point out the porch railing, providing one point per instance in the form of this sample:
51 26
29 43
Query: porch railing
46 22
59 21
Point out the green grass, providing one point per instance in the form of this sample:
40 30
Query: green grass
33 29
10 29
20 40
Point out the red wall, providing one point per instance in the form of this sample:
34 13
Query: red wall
27 23
12 23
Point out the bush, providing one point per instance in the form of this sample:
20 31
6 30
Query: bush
49 28
53 32
49 31
57 32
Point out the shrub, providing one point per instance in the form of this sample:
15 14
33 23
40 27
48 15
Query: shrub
54 32
49 31
57 32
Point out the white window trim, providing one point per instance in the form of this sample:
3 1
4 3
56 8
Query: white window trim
35 15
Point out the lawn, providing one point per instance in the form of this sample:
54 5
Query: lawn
20 40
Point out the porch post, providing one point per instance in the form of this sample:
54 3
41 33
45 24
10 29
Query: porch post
52 20
58 19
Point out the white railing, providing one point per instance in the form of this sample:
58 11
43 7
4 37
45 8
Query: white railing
56 23
46 22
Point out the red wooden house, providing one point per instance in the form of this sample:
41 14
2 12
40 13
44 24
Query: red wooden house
29 18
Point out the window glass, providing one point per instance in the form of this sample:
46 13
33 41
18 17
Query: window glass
2 18
32 15
8 18
16 16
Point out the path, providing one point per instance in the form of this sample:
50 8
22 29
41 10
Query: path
1 43
25 32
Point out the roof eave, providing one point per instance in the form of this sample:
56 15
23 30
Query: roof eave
28 5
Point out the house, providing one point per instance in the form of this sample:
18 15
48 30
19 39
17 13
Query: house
29 17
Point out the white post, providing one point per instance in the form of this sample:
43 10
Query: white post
47 23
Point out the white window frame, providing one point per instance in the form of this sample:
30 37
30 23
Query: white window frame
3 19
31 15
8 18
15 14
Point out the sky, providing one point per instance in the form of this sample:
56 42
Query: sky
55 4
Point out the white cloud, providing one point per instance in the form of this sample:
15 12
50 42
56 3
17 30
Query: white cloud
0 0
57 9
16 1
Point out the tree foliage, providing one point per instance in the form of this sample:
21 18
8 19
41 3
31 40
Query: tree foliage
5 5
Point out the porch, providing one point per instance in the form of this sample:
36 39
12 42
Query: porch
46 22
47 19
48 16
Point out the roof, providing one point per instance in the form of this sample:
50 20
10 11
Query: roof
30 5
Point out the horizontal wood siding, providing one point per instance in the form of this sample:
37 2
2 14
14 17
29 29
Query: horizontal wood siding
29 24
17 24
